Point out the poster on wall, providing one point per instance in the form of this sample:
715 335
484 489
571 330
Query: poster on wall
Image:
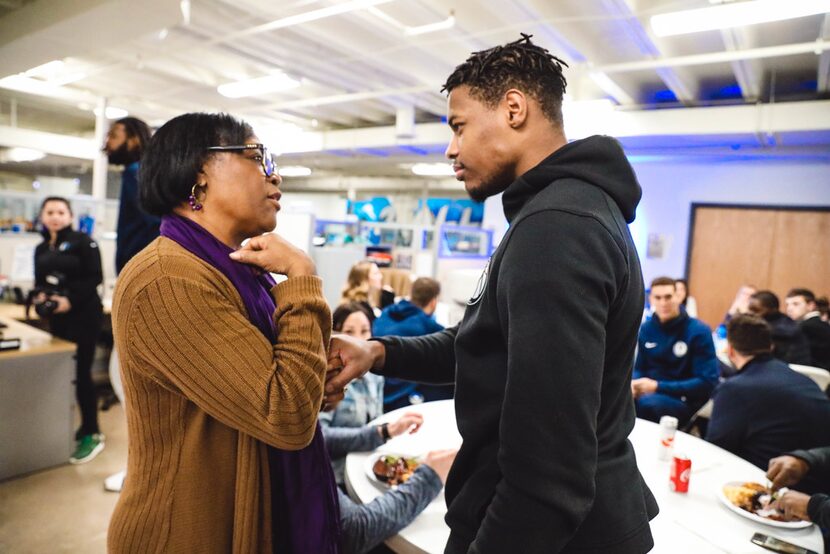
658 246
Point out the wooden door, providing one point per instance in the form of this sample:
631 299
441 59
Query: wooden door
775 249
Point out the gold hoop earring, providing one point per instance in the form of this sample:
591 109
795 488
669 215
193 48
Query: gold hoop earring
194 203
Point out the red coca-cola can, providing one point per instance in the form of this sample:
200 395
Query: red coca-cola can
681 468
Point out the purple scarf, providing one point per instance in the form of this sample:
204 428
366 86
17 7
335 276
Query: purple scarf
304 505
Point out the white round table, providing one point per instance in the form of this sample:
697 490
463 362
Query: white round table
692 523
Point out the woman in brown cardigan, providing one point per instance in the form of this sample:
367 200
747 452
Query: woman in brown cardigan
223 370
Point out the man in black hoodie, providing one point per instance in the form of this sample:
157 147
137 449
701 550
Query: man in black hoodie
788 342
542 361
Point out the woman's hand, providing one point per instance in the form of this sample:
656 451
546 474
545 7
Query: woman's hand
64 305
441 461
409 422
274 254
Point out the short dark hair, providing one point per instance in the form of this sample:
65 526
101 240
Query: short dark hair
749 335
178 151
519 64
343 311
137 129
424 291
822 305
55 199
767 299
662 281
806 293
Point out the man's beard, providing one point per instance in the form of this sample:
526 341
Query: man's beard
123 156
489 186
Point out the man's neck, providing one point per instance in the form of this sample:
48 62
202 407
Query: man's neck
543 144
669 318
742 361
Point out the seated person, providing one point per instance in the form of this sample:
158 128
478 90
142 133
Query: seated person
788 342
688 302
411 318
676 368
365 526
789 471
801 306
740 305
767 408
363 400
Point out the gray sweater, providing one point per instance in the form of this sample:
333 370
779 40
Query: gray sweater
364 526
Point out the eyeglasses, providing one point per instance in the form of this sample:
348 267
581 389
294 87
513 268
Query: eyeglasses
267 162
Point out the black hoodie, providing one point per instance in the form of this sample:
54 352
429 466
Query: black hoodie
542 364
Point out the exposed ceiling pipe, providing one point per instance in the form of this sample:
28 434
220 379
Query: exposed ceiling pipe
816 47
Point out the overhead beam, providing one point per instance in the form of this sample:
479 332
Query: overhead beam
46 30
747 73
722 120
624 9
50 143
816 47
823 78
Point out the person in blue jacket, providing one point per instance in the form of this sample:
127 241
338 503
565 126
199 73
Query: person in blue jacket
676 368
411 318
125 144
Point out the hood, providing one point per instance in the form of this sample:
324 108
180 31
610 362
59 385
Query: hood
402 310
598 160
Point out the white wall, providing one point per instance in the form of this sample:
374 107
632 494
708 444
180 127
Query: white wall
671 186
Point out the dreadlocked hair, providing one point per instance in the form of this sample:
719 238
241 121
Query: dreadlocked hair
521 65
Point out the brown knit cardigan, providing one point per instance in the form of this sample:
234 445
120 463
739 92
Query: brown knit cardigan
205 392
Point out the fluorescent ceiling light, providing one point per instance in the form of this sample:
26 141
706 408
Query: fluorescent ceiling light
738 14
448 23
258 86
46 70
294 171
67 79
22 155
433 170
112 112
322 13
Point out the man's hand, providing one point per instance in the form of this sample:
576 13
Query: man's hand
350 359
330 401
793 505
785 471
410 422
642 386
64 305
441 461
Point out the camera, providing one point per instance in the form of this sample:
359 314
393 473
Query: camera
55 286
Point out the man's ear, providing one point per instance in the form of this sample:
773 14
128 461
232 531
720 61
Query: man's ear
133 143
515 103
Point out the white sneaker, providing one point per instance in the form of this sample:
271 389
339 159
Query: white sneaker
114 482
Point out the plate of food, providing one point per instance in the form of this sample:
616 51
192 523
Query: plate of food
751 500
390 470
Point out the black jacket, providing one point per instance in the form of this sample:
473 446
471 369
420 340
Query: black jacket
819 506
818 335
788 342
542 364
76 257
749 418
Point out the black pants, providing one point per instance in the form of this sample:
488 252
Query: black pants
82 327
